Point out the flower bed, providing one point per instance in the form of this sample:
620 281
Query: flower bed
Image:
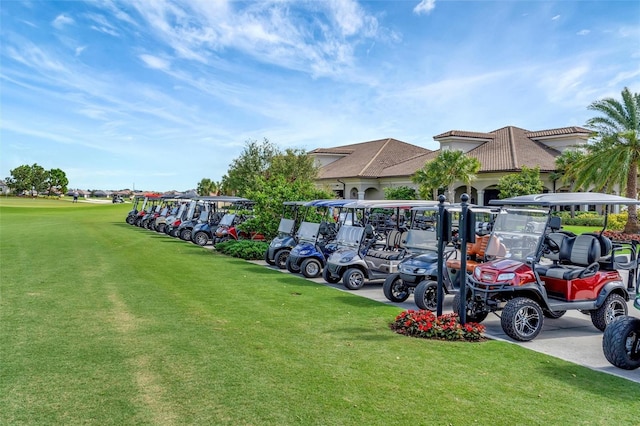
425 324
621 236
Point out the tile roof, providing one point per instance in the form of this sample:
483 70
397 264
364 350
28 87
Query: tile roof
504 150
511 149
368 159
465 134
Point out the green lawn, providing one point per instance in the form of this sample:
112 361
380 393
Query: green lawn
105 323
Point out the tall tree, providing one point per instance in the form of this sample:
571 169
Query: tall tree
526 182
28 178
253 162
57 180
293 165
448 167
612 158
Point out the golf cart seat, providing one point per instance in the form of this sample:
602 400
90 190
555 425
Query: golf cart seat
578 257
475 254
392 249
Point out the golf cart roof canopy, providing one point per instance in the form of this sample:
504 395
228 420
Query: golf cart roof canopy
388 204
565 199
327 203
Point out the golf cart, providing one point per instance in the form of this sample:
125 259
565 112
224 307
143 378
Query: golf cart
281 245
538 270
316 241
374 250
418 271
204 230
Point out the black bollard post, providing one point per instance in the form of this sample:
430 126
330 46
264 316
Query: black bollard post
442 241
462 234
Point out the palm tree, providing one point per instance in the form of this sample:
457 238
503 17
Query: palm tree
207 187
448 167
612 159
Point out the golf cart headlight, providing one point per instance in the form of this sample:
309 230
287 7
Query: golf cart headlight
276 245
506 277
477 272
305 252
346 259
420 271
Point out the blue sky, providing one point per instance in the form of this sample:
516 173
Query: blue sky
159 94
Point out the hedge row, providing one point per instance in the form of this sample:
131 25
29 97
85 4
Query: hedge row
245 249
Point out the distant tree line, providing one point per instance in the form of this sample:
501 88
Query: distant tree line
36 179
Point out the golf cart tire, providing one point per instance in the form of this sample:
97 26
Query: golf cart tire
291 267
621 343
613 306
160 228
311 268
522 319
131 220
394 289
268 259
426 295
201 238
353 279
471 316
326 275
281 258
185 234
553 314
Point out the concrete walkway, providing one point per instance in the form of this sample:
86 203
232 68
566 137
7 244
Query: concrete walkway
572 337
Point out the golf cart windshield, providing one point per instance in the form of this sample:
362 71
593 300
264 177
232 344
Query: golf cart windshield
518 232
286 226
422 240
308 231
227 219
350 235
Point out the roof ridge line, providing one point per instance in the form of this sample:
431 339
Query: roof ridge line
374 157
512 147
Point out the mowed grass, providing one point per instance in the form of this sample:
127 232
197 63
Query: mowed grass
105 323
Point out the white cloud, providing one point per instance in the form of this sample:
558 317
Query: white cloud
79 50
155 62
61 21
424 7
583 32
555 18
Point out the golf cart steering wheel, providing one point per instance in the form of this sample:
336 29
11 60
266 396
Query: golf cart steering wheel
551 244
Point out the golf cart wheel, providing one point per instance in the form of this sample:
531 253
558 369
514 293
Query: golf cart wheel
394 289
353 279
311 268
281 258
160 228
426 295
613 306
621 343
522 319
201 238
268 259
553 314
131 220
185 234
471 315
326 275
292 267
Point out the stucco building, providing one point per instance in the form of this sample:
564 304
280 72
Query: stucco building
363 170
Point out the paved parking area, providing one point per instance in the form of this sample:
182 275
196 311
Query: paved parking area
572 337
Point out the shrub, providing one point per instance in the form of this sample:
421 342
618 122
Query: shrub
245 249
424 324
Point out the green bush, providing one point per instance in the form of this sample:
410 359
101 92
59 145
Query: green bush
617 221
245 249
581 218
